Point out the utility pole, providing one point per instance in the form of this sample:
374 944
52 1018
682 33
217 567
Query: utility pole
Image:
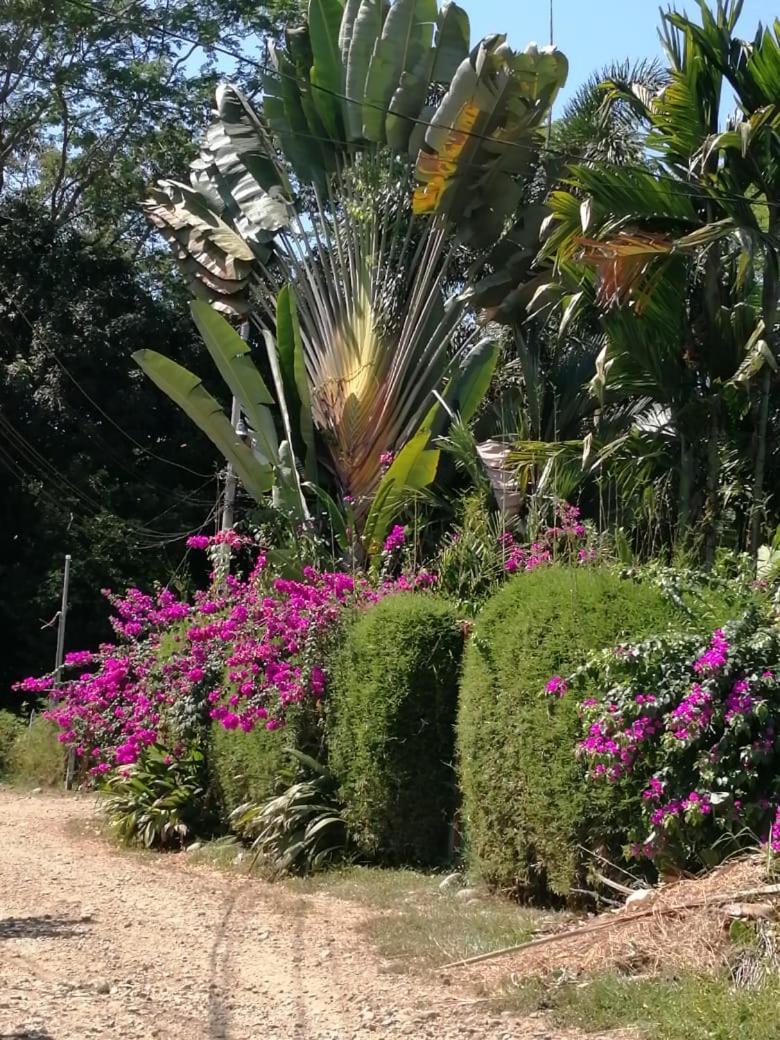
231 480
70 768
63 617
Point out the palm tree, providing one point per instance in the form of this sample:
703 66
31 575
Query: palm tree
667 254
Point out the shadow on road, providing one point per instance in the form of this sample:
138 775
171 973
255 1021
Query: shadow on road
27 1034
45 927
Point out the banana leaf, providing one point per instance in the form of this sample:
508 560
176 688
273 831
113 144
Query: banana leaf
233 358
413 469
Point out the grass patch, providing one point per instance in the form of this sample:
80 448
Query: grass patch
368 886
37 758
416 926
691 1007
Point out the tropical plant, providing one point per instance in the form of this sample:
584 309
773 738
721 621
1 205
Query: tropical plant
347 215
299 831
670 257
159 801
701 747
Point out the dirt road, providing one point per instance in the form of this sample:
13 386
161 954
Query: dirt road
97 943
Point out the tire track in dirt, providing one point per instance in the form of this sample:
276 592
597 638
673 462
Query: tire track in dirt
98 943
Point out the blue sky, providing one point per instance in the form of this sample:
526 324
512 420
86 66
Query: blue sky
593 32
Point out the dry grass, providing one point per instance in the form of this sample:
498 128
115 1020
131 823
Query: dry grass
686 929
415 926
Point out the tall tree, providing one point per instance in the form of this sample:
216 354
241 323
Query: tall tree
98 97
681 259
91 462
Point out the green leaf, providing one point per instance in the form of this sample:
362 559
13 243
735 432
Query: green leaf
284 112
475 377
366 30
187 391
233 357
335 515
327 74
413 469
296 381
287 472
407 102
466 388
407 35
452 42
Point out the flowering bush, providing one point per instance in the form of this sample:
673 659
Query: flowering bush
241 654
564 540
696 729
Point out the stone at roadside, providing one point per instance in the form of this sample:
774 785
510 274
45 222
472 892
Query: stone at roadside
467 894
451 883
638 898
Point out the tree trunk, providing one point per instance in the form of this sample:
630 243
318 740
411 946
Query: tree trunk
686 486
711 507
759 470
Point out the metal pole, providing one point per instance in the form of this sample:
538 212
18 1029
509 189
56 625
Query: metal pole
71 763
231 480
63 619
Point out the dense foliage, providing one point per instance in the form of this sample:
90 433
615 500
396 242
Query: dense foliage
391 710
90 463
526 804
466 314
161 800
696 729
10 730
246 767
299 830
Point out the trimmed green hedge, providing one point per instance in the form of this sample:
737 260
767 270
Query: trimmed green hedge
526 806
253 767
246 767
391 712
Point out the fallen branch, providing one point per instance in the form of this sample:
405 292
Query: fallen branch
617 921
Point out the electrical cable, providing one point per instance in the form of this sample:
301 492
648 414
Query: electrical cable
265 67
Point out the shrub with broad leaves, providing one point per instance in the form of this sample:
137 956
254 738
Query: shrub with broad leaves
160 801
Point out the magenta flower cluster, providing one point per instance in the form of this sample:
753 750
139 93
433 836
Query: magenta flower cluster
553 542
241 654
694 732
396 539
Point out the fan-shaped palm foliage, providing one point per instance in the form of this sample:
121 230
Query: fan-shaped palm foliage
333 212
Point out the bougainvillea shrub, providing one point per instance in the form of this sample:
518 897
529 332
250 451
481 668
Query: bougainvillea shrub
695 728
241 653
565 541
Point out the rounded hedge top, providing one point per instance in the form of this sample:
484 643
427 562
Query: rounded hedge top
391 713
526 805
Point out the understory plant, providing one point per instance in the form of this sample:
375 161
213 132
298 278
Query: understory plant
241 654
301 829
694 730
161 800
10 730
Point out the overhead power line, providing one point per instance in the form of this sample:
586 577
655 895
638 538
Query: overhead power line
386 110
